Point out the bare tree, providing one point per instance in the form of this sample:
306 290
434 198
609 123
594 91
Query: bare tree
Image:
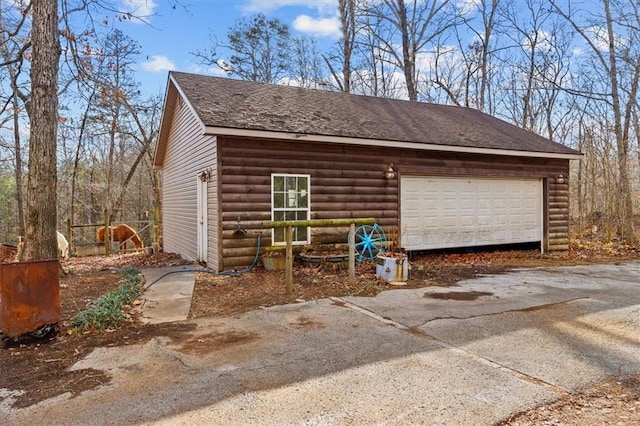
306 64
258 48
416 25
43 114
488 14
374 72
13 47
347 12
619 65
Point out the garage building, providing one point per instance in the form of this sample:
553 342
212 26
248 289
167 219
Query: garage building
235 153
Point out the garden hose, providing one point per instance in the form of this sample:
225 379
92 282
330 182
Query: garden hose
232 273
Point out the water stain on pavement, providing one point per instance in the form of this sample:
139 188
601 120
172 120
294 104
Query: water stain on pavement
458 295
304 321
209 342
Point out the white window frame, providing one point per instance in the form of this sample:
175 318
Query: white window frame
297 209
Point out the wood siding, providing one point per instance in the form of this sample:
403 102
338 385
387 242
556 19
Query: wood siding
188 154
348 181
558 214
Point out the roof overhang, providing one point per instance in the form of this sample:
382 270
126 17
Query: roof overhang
302 137
173 95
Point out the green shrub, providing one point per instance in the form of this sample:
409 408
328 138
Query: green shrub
109 309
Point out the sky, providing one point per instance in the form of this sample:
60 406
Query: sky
173 33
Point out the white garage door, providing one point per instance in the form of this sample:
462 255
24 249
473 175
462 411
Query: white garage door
445 212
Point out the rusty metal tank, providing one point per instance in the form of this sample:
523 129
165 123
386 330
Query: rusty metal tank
29 298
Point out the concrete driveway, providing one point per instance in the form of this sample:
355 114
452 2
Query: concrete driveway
471 354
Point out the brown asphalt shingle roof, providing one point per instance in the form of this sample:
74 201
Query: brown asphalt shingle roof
236 104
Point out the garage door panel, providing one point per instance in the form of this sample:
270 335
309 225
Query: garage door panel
458 212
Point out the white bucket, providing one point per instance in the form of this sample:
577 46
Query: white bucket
392 269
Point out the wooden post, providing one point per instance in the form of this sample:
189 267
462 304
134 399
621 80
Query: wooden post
352 253
156 228
289 260
107 234
317 222
69 238
289 224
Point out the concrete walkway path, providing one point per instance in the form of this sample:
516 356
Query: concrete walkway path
167 297
474 353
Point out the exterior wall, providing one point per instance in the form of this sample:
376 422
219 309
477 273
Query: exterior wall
558 214
348 181
188 154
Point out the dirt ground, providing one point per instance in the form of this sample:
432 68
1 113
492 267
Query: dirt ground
39 369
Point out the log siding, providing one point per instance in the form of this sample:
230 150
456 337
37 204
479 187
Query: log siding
348 181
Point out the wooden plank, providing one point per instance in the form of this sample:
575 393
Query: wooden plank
356 165
253 226
231 262
354 198
236 209
318 223
239 252
378 214
351 205
289 259
389 190
246 197
352 253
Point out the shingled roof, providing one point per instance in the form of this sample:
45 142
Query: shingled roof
223 103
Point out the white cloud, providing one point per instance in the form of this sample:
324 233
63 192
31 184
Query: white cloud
158 63
577 51
254 6
208 70
467 6
446 56
139 8
599 37
326 27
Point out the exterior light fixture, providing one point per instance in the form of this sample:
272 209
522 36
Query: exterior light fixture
205 176
560 178
389 173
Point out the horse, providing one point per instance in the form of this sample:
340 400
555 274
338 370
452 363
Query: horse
63 245
121 233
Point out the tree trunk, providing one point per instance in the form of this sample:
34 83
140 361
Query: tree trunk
18 150
347 22
622 141
76 162
484 68
41 242
408 52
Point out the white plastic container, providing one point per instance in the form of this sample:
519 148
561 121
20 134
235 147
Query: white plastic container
392 269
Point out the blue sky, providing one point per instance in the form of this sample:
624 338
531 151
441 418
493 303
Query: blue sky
175 32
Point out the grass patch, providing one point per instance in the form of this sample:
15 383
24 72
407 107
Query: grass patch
109 309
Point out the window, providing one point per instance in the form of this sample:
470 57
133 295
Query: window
290 201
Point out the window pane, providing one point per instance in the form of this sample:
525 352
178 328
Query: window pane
292 201
278 183
279 215
303 184
278 200
300 234
278 235
303 201
291 182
